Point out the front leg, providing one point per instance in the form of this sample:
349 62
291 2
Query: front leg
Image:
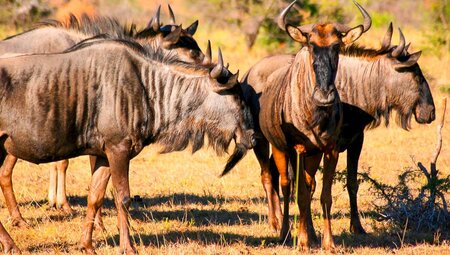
330 162
97 190
311 166
281 162
8 192
353 153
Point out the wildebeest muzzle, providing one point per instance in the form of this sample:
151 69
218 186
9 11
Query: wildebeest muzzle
324 97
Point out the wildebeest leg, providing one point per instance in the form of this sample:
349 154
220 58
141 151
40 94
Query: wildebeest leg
119 161
303 198
353 153
9 247
95 199
98 222
5 239
262 154
311 166
61 198
281 160
53 185
330 161
8 191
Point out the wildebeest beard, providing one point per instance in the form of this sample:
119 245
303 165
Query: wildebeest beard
320 118
179 136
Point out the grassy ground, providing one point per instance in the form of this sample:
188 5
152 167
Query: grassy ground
186 209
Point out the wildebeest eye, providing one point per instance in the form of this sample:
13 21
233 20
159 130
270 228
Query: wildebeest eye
194 53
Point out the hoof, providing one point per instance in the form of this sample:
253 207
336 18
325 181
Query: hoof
274 225
129 251
11 248
20 222
87 249
357 229
328 245
65 207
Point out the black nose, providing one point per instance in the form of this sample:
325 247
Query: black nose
324 97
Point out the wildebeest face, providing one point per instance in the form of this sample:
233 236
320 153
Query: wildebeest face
225 104
182 42
413 91
408 80
324 42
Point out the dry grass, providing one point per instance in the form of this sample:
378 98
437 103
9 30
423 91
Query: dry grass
187 209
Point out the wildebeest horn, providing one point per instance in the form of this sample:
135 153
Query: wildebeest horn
387 38
208 54
217 70
192 28
399 49
367 20
154 23
281 20
405 50
366 24
172 16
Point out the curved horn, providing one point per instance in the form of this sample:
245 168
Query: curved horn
208 55
366 24
386 43
172 16
281 20
154 23
217 70
367 20
399 49
405 50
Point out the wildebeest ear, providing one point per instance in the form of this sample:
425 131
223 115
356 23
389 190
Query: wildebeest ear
192 28
296 34
353 34
412 59
172 38
232 81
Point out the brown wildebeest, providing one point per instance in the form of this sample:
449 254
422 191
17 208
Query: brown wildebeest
110 98
371 83
301 110
55 36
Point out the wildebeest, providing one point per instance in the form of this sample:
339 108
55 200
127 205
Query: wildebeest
110 98
371 84
297 108
53 36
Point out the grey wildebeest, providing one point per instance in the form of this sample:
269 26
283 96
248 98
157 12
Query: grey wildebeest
297 110
54 36
110 98
371 84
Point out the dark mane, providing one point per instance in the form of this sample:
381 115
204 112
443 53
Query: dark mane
159 55
92 26
356 50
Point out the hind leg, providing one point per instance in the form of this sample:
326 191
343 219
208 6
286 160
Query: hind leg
98 222
262 154
9 161
353 153
281 162
61 197
330 161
